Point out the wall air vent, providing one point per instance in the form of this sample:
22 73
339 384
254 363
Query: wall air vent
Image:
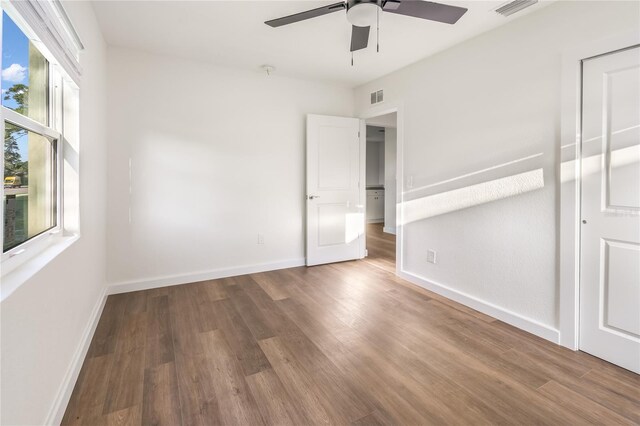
377 97
515 6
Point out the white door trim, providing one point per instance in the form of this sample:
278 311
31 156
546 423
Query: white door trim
363 185
387 108
570 181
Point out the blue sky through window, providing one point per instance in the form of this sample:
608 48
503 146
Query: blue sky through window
15 67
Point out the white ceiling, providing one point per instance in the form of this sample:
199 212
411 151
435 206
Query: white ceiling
232 33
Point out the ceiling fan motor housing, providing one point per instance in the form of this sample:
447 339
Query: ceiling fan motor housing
363 13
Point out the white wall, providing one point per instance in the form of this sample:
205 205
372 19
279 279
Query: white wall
43 321
375 163
217 156
491 100
381 163
390 149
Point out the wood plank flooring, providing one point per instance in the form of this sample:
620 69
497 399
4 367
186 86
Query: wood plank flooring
381 248
346 343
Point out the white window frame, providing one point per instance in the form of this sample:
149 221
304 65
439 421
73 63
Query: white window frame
58 78
55 138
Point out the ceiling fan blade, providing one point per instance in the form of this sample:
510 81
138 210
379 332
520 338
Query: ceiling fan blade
426 10
359 37
313 13
390 5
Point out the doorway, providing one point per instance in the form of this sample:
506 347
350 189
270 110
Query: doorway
381 197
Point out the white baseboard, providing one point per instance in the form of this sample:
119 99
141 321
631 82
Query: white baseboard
389 230
168 280
66 387
527 324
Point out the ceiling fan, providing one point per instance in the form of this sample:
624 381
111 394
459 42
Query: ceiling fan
362 14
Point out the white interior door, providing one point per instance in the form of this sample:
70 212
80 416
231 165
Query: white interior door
610 237
335 212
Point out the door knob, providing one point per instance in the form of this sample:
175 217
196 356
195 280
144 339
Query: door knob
584 221
311 197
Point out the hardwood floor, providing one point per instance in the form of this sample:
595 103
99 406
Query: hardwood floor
381 247
333 344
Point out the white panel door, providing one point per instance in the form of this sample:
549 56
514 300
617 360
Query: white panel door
610 238
335 214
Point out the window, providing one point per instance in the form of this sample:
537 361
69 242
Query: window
30 185
31 169
25 74
39 117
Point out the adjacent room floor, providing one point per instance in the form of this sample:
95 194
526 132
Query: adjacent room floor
333 344
381 248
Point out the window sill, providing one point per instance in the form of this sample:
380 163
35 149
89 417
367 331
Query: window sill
17 275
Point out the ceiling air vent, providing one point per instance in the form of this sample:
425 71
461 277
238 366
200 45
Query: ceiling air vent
377 97
510 8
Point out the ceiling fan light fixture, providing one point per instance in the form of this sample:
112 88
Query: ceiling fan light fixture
363 14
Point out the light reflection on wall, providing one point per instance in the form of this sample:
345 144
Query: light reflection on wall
624 156
477 172
472 195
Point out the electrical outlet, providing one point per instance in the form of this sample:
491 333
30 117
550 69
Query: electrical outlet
431 256
260 238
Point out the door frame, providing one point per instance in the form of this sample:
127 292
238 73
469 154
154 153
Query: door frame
570 181
375 111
